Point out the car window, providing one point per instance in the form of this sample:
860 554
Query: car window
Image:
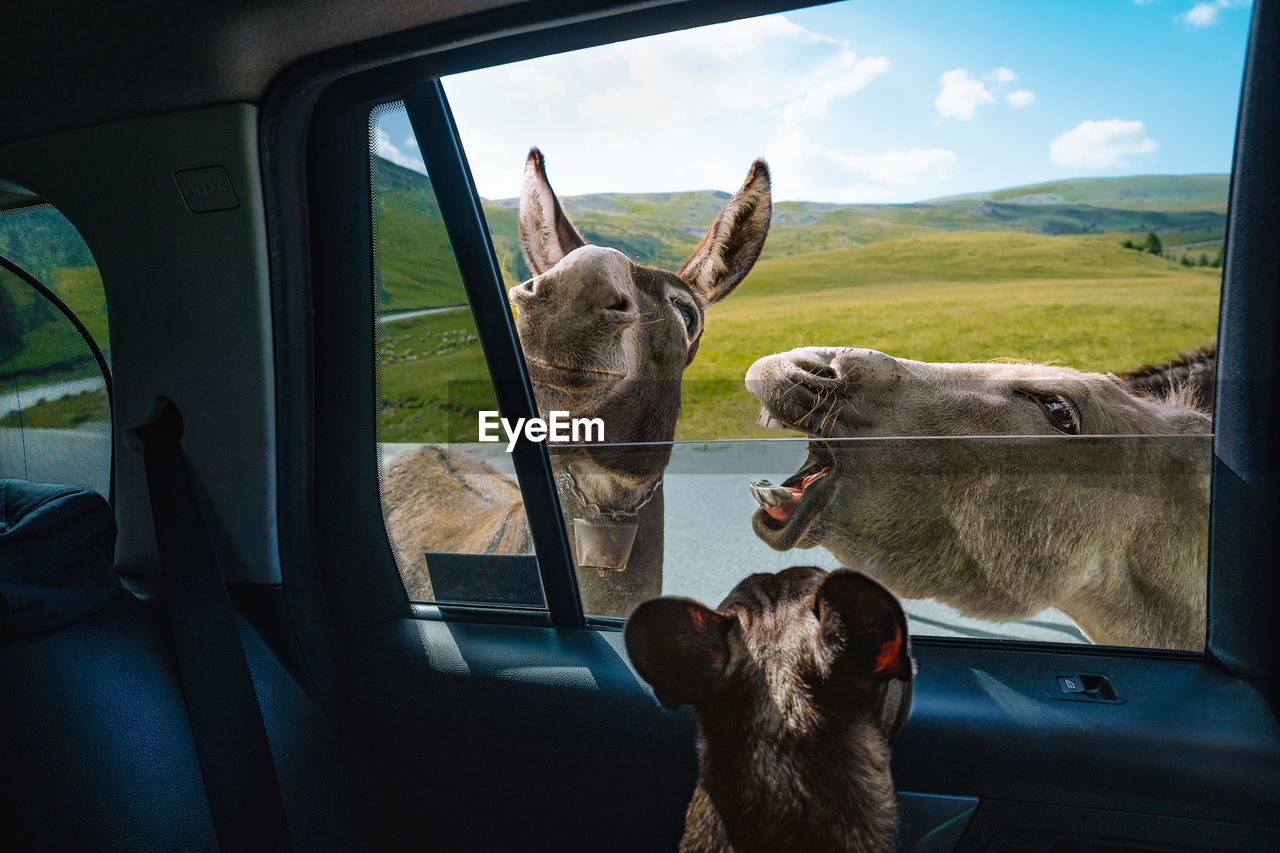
55 412
881 286
452 506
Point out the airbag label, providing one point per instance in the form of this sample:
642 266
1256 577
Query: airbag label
206 190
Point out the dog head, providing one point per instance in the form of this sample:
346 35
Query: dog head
784 654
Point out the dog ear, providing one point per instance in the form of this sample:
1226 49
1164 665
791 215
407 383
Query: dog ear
546 234
680 647
735 240
865 623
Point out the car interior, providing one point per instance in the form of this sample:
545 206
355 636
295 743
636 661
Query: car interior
210 634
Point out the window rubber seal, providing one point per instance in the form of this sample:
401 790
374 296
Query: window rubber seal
446 162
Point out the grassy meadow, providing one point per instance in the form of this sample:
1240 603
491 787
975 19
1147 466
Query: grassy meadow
63 413
1034 272
1080 301
432 379
42 345
960 296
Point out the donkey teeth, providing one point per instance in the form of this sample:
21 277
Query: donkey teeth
766 420
769 495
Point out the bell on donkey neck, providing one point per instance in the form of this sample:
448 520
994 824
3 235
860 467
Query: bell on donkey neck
604 545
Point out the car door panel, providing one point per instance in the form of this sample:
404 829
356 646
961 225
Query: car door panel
557 717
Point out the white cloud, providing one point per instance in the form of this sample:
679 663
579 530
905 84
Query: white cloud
1000 76
815 172
410 142
1020 98
669 81
850 76
961 95
900 167
1102 144
688 109
386 149
1209 12
1201 15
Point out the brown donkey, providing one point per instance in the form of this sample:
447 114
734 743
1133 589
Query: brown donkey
799 682
606 338
1055 488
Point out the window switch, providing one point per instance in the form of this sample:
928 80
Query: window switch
1070 684
1083 687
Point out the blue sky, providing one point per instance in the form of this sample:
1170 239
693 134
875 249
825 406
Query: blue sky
868 101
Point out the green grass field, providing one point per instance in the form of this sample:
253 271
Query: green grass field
1032 272
63 413
432 379
81 289
1079 301
46 347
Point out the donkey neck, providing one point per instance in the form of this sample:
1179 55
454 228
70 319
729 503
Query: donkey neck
602 491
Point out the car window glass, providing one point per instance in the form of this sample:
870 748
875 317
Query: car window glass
452 506
883 286
55 413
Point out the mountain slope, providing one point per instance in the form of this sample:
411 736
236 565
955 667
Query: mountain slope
1145 192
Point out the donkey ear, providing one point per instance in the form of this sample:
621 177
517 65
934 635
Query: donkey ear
680 647
865 622
546 234
733 244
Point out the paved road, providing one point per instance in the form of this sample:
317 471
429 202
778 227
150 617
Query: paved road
421 312
11 400
710 545
81 456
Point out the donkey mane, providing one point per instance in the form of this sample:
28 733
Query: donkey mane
1187 381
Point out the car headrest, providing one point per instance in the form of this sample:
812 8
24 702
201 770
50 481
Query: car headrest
57 549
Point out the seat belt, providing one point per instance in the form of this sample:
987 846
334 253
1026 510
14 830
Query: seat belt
226 718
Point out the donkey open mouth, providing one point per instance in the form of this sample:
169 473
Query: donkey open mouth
787 511
803 393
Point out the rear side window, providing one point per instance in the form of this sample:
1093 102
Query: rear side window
889 287
55 413
452 505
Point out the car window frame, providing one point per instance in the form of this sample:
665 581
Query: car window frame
319 108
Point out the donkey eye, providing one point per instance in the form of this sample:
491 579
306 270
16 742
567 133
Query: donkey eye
1060 411
687 314
1062 415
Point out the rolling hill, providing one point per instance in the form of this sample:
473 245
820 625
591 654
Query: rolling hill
1035 272
663 228
1136 192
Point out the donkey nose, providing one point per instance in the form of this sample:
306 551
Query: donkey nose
606 295
866 368
589 283
813 361
829 366
804 370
